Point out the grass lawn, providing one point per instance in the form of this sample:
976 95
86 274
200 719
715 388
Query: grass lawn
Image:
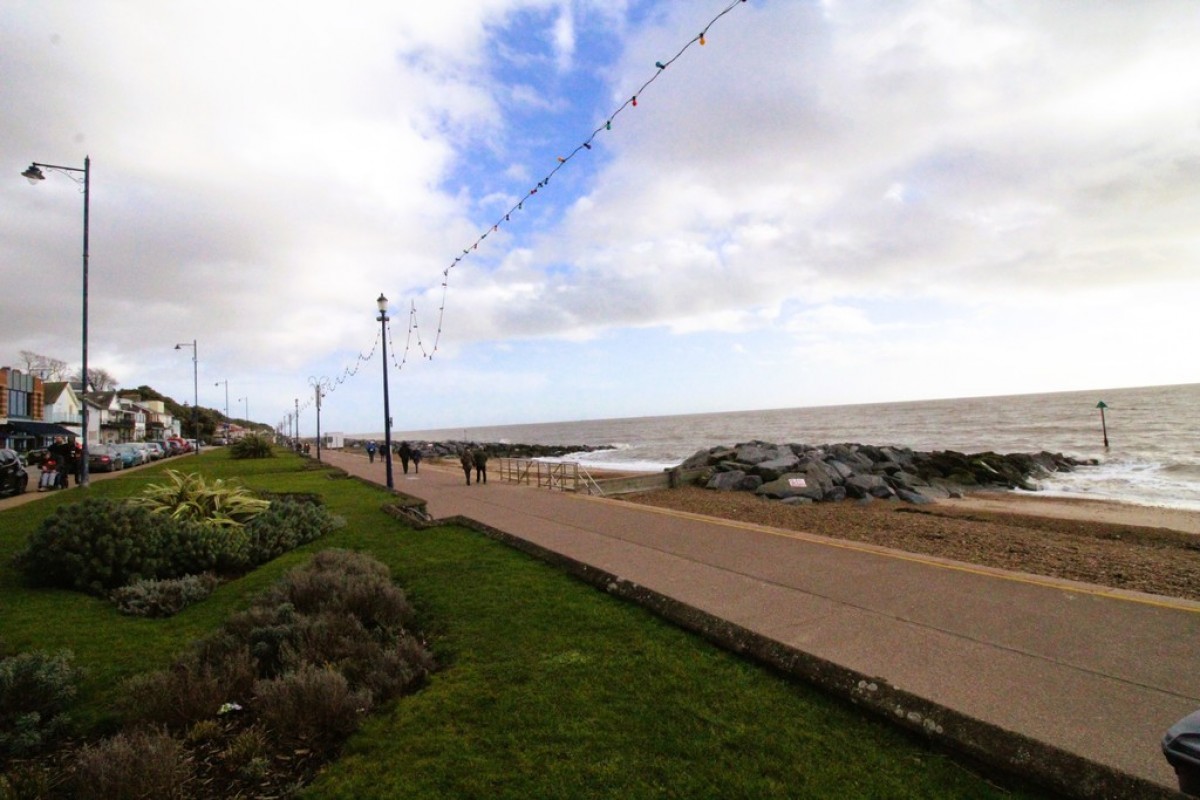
548 688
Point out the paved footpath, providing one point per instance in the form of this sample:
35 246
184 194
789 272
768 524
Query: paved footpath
1095 672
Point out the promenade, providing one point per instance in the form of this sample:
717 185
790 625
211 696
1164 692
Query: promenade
1070 682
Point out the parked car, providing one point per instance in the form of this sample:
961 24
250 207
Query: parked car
104 458
134 456
156 450
13 477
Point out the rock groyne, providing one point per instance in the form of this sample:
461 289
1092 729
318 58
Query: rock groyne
800 473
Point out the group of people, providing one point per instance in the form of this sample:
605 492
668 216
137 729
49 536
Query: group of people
474 459
63 459
471 459
405 451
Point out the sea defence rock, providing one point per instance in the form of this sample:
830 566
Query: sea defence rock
797 473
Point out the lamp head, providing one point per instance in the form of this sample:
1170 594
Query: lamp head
382 302
33 174
178 346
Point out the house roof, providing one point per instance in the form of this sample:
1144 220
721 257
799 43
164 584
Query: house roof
53 390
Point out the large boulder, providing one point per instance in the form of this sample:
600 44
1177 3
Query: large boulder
698 460
775 467
753 453
860 486
733 481
794 484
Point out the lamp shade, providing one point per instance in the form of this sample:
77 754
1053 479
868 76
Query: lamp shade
33 174
382 303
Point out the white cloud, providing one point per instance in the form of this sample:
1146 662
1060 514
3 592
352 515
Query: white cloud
836 169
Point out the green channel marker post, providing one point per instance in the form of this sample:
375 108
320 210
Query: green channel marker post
1103 426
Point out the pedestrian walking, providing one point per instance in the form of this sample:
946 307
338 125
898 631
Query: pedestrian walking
481 458
371 448
405 454
416 457
467 461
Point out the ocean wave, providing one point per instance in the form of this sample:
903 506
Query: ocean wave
1130 481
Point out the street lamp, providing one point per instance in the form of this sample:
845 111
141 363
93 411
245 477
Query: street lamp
382 302
34 176
247 401
195 392
317 390
226 382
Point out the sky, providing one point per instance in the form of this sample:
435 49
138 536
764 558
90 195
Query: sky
827 203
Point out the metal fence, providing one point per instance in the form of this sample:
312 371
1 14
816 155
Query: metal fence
562 476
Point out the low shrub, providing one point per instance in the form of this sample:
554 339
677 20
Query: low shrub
142 763
247 747
96 546
35 691
286 525
194 688
99 545
312 705
163 598
344 581
254 445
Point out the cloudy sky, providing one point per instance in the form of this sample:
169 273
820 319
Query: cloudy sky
829 202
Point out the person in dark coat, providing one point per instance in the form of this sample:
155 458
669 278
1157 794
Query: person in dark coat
371 451
405 455
467 462
62 461
481 458
416 457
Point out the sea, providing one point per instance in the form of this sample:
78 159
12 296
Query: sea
1144 439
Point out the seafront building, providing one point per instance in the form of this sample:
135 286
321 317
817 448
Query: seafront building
34 411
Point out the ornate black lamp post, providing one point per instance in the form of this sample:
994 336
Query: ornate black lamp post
382 302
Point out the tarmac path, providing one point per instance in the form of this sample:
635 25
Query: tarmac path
1096 672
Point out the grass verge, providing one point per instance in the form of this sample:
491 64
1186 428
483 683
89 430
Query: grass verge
549 688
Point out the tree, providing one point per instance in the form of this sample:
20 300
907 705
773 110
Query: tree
44 367
99 380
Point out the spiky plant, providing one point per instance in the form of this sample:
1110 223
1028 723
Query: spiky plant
192 497
254 445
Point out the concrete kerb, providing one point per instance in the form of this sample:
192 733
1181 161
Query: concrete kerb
990 747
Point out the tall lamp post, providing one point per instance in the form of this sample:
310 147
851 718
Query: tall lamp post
319 394
247 412
195 392
34 176
382 302
226 382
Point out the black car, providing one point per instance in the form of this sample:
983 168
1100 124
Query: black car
104 458
13 477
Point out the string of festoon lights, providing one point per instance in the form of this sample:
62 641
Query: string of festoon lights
561 161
